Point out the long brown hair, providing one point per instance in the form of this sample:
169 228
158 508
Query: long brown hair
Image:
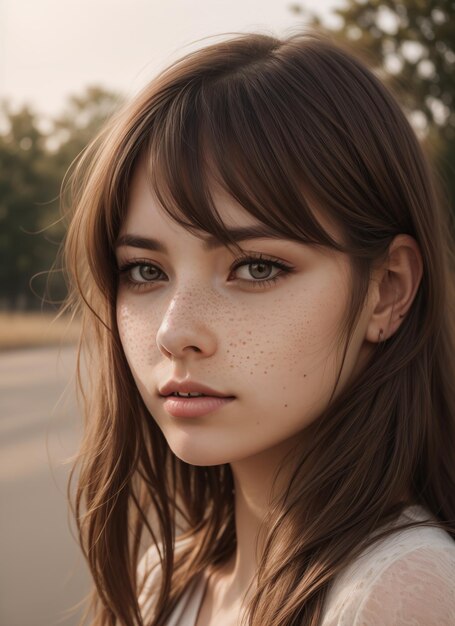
284 124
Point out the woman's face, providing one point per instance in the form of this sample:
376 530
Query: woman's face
273 347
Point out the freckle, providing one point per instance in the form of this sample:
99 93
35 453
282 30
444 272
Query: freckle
285 406
246 357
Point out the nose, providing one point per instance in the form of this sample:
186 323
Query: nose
183 331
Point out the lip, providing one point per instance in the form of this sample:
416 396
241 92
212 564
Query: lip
194 407
190 386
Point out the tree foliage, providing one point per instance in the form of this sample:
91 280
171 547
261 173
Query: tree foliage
410 44
32 166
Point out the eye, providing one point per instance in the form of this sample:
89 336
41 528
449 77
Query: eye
260 266
141 274
146 272
138 273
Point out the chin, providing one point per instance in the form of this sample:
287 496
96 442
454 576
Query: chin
200 459
201 453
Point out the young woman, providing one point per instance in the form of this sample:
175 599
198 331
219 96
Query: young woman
261 226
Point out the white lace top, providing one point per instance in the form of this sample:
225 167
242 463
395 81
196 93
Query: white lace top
406 579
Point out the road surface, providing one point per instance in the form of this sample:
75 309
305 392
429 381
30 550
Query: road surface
42 573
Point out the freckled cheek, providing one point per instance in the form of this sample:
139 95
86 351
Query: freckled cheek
293 360
277 348
137 330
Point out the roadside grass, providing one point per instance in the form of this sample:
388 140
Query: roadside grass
28 330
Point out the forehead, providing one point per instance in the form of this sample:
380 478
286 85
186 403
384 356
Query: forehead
145 214
144 208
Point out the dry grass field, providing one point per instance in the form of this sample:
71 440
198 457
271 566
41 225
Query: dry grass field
28 330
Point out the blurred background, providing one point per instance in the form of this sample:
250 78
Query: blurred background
64 68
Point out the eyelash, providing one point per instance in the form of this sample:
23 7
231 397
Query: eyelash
250 259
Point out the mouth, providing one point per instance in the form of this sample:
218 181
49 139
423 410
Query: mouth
180 406
191 387
183 397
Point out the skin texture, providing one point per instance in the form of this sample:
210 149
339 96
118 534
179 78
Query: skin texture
274 348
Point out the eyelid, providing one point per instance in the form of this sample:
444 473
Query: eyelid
244 254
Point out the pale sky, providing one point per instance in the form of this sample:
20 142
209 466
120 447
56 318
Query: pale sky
52 48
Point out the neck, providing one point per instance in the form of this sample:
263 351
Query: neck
253 481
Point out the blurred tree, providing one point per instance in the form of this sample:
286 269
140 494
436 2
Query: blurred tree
410 44
80 121
32 166
78 124
71 131
24 188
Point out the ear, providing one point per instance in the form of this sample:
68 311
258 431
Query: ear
396 284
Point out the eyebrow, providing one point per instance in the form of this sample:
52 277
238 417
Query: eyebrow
243 233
